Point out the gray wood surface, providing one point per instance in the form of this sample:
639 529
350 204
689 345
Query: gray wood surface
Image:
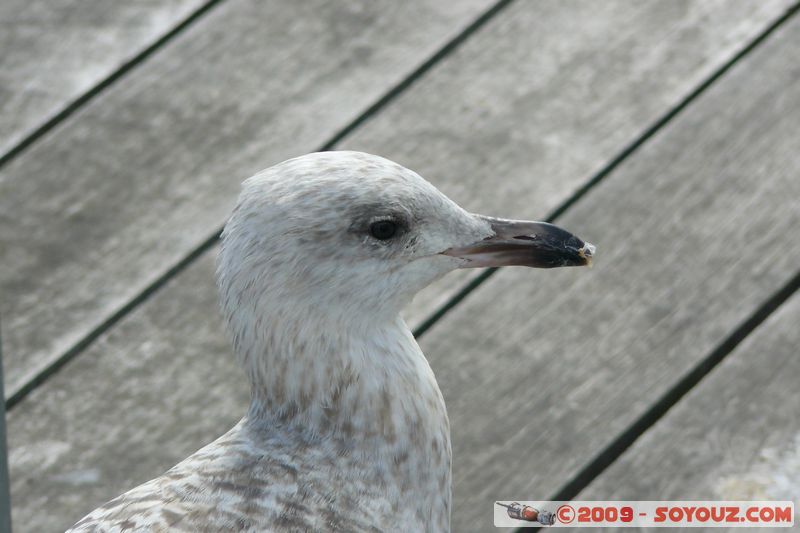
535 115
539 368
96 211
542 370
125 411
56 50
522 116
735 436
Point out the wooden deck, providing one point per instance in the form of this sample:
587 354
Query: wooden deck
664 132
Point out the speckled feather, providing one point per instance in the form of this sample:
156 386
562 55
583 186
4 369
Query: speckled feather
347 429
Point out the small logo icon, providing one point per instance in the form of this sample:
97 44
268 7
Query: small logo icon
527 513
565 514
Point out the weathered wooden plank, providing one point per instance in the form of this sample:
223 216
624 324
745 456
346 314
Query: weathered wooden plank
735 436
153 165
173 386
130 411
53 52
119 414
521 118
694 232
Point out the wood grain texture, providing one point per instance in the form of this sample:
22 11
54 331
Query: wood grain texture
538 367
736 436
118 415
54 51
542 370
512 124
523 115
96 211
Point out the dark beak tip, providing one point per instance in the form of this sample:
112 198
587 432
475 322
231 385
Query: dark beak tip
526 243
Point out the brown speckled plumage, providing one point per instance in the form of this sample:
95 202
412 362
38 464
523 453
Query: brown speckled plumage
347 429
289 481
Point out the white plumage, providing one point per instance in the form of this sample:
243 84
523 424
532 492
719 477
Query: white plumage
347 428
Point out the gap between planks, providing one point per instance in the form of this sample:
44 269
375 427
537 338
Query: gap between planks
105 83
661 406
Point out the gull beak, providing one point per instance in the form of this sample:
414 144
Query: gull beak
524 243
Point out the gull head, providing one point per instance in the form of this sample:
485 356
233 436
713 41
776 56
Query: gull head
356 235
317 260
321 254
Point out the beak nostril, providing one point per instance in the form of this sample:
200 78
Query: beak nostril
525 237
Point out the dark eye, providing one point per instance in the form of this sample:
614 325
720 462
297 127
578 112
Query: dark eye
383 229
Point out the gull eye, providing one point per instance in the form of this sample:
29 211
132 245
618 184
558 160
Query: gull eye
383 229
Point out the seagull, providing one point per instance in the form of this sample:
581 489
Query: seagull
347 429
